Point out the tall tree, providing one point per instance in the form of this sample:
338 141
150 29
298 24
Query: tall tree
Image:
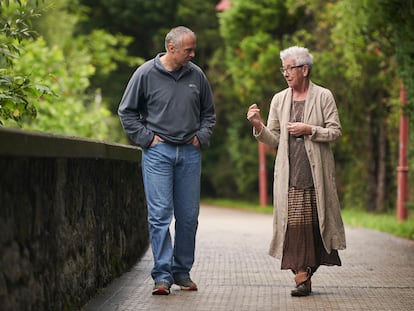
355 57
147 22
254 32
139 19
201 17
66 63
17 90
399 14
357 61
367 50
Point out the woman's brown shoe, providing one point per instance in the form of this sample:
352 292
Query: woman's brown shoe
303 284
303 289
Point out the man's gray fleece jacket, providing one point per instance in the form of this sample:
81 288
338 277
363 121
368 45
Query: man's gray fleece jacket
154 102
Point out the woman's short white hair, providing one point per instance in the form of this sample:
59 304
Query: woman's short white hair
300 54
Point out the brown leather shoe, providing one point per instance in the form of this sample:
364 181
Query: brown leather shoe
302 290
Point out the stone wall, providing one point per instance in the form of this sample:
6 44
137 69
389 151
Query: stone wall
72 218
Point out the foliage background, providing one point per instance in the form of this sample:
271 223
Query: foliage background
78 65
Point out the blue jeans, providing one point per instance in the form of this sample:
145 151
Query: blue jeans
172 188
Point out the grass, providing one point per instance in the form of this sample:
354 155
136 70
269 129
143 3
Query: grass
386 222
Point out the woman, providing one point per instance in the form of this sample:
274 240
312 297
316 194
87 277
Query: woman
303 120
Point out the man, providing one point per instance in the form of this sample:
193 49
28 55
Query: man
167 109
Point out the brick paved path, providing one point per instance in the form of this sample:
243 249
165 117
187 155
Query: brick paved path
234 272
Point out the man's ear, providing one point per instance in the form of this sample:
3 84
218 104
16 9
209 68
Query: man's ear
171 47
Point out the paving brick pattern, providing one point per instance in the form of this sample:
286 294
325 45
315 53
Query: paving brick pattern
234 272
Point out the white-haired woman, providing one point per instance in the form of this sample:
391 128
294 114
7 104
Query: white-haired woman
303 120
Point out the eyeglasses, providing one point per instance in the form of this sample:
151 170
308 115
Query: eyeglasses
289 69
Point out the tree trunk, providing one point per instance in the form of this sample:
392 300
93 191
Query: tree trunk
381 171
371 164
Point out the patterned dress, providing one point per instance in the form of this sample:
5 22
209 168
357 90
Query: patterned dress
303 246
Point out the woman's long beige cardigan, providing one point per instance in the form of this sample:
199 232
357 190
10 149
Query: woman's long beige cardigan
321 113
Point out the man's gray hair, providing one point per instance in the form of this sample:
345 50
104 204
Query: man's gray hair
300 54
175 36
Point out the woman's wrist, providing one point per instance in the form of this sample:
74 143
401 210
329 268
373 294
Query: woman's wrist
258 128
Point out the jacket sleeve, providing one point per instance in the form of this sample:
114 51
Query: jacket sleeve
207 114
270 134
131 112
